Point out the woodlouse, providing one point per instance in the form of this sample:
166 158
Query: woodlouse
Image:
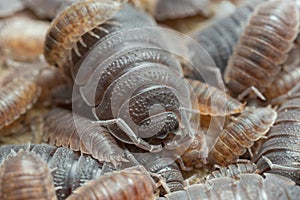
212 101
241 134
219 38
249 186
133 183
109 73
263 47
26 176
279 153
69 170
82 135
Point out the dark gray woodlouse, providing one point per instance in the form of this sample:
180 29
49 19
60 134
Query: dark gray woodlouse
219 38
69 170
263 47
212 101
241 134
129 184
279 153
103 68
82 135
248 187
26 176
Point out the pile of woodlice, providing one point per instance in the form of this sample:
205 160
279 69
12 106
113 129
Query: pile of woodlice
101 67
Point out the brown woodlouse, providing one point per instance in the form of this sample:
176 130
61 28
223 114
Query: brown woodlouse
249 186
212 101
26 176
279 153
263 47
68 28
82 135
17 97
105 70
132 183
231 171
241 134
69 170
219 38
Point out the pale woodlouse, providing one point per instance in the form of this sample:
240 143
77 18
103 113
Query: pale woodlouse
85 136
212 101
26 176
220 37
123 64
263 47
279 153
132 183
69 170
249 186
241 134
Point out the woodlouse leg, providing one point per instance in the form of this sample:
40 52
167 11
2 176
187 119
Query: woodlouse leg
102 29
77 50
248 91
114 23
82 42
93 34
279 167
129 132
182 165
161 182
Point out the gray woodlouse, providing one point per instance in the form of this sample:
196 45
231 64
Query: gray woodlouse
65 31
26 176
241 134
279 153
263 47
129 184
248 187
17 97
123 64
85 136
220 37
69 170
212 101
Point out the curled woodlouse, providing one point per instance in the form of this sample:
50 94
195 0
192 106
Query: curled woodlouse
128 108
241 134
263 47
17 97
72 23
279 153
219 38
212 101
26 46
249 186
132 183
69 170
231 171
85 136
26 176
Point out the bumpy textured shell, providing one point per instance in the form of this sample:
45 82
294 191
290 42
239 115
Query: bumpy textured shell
212 101
282 144
82 135
71 169
220 37
26 176
241 134
263 47
248 187
129 184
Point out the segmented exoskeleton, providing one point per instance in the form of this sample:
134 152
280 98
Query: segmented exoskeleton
219 38
24 175
249 186
129 184
212 101
263 47
241 134
279 153
62 128
137 89
69 170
